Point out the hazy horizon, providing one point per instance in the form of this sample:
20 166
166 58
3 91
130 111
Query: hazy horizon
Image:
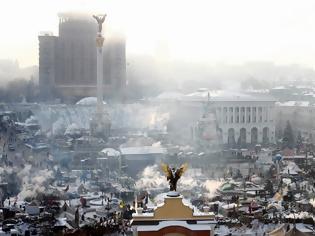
206 32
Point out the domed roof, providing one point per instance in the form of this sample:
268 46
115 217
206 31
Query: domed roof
88 101
111 152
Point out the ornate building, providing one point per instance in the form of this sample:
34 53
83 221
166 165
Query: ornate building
173 218
245 121
67 63
239 120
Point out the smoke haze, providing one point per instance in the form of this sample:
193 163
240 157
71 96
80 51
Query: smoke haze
152 178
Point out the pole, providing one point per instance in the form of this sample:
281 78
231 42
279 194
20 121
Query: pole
99 48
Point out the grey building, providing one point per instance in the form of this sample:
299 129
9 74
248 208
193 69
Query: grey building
47 63
67 63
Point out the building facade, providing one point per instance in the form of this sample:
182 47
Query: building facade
47 63
239 119
67 63
245 122
173 218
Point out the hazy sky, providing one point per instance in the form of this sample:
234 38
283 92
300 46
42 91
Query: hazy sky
212 31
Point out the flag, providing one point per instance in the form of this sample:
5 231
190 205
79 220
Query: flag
122 204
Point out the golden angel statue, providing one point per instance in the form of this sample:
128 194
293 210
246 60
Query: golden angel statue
173 175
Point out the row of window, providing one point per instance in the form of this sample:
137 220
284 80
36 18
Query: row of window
241 119
242 109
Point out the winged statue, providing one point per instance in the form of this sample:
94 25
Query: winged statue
100 20
173 175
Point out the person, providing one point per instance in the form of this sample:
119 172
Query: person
288 228
76 217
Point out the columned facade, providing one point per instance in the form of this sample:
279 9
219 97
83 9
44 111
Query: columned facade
245 122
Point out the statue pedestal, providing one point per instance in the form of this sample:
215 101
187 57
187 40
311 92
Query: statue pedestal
173 194
100 125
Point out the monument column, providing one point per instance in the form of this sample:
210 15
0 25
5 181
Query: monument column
100 123
99 61
99 71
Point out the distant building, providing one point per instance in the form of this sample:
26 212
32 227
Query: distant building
240 119
67 63
300 114
137 158
244 120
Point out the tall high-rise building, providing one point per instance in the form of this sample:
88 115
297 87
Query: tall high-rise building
67 63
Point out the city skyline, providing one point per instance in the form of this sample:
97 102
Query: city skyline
211 32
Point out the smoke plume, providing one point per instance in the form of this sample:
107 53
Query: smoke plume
152 178
34 182
26 182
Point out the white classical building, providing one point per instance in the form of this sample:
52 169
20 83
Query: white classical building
240 118
245 121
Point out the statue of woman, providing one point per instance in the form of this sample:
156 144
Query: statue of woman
100 20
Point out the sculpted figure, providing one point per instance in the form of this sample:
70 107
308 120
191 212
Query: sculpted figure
100 20
173 175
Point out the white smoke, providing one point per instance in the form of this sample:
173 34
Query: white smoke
73 129
157 144
56 118
211 186
152 178
31 120
58 127
6 170
33 181
158 121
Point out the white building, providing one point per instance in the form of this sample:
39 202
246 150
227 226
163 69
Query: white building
245 121
240 118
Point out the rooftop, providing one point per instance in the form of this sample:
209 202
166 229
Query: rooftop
76 15
142 150
203 94
294 104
